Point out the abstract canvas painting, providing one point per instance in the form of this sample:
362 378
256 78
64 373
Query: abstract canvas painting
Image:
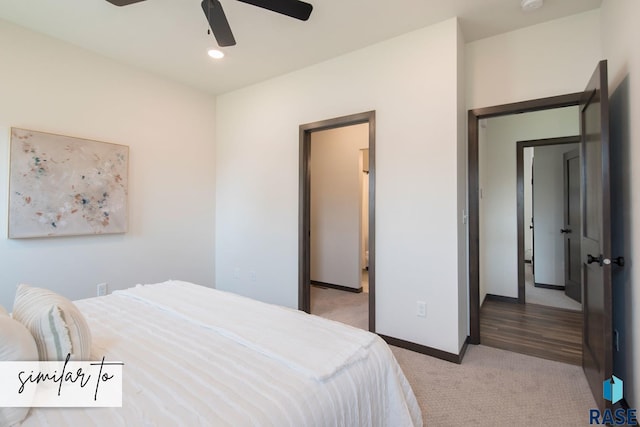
64 186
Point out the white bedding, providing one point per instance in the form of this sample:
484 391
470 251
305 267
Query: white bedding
309 344
212 358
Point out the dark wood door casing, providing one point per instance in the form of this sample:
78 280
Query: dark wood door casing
474 116
304 209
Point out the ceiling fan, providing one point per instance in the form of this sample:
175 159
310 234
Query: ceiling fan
218 20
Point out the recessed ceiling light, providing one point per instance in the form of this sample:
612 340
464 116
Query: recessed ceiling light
529 5
214 53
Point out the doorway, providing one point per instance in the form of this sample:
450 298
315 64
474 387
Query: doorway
508 320
597 258
501 188
310 267
550 213
474 194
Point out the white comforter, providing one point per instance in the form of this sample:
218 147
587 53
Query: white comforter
196 356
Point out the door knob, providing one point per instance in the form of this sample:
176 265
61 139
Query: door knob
591 259
619 260
565 230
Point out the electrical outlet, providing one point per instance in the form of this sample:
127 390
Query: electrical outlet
102 289
421 309
253 276
236 273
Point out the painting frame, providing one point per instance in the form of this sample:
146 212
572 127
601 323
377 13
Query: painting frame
66 186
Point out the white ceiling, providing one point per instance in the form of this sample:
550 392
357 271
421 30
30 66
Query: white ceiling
169 37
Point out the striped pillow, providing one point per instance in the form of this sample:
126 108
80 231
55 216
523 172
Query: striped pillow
16 344
55 322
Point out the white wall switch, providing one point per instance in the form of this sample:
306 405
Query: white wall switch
421 309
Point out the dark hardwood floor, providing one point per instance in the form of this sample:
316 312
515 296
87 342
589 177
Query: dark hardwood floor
537 330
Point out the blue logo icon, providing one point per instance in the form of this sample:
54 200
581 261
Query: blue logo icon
612 389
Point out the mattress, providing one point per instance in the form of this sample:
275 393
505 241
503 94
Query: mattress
197 356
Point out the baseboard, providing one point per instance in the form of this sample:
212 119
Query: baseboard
338 287
545 286
500 298
463 350
429 351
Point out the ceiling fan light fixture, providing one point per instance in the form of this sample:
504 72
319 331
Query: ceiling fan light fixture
215 53
219 24
530 5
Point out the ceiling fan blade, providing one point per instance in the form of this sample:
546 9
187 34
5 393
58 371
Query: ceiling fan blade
218 22
123 2
293 8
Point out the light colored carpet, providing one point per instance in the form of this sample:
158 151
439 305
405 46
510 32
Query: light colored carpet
494 387
343 306
364 280
548 297
491 387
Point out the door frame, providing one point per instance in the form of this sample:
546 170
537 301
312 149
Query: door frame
520 146
304 211
474 116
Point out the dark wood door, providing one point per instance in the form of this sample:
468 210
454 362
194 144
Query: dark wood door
571 228
532 227
597 348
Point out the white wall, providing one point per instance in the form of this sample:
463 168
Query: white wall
416 184
498 202
52 86
335 204
620 33
463 232
364 208
553 58
548 213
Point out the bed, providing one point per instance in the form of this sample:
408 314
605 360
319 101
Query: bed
197 356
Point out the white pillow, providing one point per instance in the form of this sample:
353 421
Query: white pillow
55 322
16 344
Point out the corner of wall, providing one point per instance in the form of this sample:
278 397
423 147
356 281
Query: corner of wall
462 197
